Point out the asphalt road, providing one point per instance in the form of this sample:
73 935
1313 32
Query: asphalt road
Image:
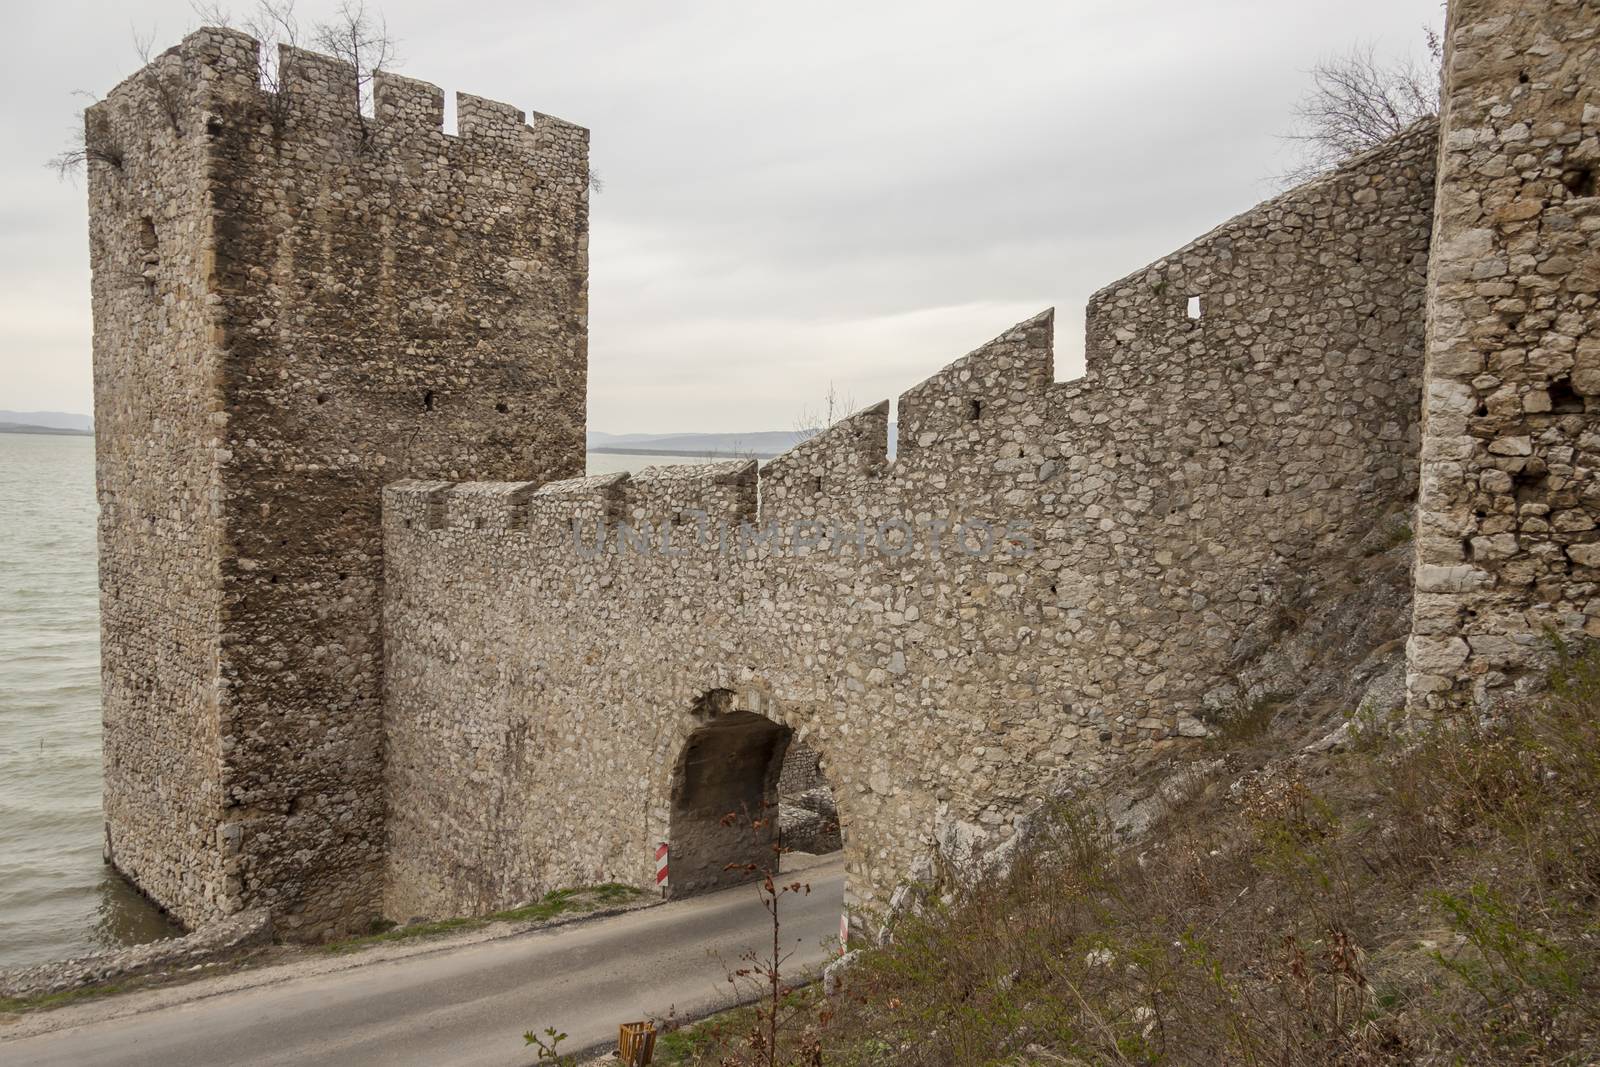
469 1004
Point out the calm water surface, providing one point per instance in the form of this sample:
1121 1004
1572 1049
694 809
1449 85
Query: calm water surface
57 898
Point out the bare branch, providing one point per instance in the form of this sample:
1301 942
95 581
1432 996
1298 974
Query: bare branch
273 23
835 407
360 38
91 142
1357 102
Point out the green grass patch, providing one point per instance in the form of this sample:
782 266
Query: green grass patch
555 903
46 1001
723 1037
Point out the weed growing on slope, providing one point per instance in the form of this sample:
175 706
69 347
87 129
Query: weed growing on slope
1427 898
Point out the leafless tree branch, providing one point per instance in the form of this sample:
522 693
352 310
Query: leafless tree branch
835 407
360 38
1356 102
273 23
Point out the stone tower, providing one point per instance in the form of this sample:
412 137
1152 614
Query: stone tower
1508 542
295 303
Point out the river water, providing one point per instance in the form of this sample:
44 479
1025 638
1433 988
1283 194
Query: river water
57 898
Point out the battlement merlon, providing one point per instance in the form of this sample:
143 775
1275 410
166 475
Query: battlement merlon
1212 276
840 460
214 68
959 406
724 492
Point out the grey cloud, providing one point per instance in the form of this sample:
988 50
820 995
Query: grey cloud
795 193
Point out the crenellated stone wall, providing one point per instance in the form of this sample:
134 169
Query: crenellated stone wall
371 644
1508 552
294 305
544 690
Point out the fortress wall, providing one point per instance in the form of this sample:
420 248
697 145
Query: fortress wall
160 423
840 462
1507 543
539 692
689 495
404 303
384 301
1203 465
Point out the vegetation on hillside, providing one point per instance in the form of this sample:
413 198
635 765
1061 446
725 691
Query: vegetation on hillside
1429 896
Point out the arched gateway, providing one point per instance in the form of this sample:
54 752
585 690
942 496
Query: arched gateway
731 816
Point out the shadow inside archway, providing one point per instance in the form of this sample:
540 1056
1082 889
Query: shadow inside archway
742 793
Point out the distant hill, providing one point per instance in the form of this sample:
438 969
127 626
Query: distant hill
55 431
47 420
761 444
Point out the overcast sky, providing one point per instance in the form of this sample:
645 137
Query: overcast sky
795 193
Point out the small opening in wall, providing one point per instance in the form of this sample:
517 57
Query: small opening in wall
427 400
974 410
267 73
1522 76
451 127
1194 307
322 398
343 576
1531 483
1564 400
1579 182
1466 549
149 256
502 407
816 485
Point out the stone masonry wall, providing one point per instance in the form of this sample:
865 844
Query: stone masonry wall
1507 543
158 418
539 692
364 299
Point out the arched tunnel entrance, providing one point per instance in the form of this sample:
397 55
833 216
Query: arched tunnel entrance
744 790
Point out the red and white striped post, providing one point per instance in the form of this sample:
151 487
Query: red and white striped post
661 867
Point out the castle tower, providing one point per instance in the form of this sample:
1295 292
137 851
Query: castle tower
294 304
1508 543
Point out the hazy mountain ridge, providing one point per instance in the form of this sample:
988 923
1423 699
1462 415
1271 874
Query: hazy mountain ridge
41 421
760 443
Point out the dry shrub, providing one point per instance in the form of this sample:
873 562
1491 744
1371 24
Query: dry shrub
1429 898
